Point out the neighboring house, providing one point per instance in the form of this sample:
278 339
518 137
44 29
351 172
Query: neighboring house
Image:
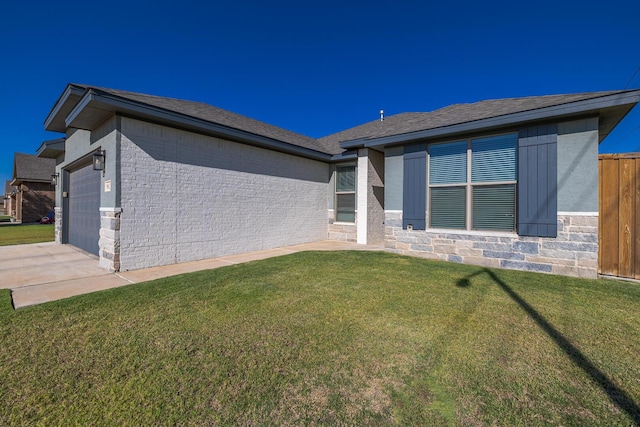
507 183
9 198
34 196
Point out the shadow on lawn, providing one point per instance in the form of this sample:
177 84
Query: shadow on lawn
618 396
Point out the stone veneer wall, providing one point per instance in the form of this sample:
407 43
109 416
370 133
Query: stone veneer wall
58 225
109 242
341 231
573 253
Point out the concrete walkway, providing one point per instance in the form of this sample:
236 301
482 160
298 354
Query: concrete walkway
43 272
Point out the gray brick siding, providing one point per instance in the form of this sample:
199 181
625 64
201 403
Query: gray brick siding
186 196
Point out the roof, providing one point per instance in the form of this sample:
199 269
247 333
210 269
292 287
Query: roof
510 109
27 167
85 107
82 106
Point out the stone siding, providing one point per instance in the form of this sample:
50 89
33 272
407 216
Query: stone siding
58 225
341 231
573 253
109 242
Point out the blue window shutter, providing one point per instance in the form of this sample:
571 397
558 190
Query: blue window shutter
414 187
538 181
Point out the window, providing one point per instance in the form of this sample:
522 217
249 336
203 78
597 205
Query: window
346 193
472 184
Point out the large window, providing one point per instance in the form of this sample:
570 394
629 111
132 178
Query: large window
472 184
346 193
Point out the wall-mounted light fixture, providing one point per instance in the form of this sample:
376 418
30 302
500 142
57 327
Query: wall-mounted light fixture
54 179
99 160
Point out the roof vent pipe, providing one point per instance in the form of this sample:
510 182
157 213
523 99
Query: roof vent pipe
382 115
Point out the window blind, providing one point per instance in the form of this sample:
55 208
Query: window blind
494 207
448 164
345 178
494 158
346 207
448 207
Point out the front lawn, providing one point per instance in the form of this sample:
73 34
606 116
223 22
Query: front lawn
316 338
21 234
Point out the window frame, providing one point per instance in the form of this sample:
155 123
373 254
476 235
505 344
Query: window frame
337 193
469 185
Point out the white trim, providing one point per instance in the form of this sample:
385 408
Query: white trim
393 211
361 196
579 213
110 209
471 232
343 223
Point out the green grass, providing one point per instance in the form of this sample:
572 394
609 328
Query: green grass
21 234
346 338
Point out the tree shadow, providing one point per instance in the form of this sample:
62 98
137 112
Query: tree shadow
616 395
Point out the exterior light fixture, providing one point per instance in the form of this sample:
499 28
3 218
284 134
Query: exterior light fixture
54 179
98 161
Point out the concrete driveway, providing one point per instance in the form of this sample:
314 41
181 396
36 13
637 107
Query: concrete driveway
43 272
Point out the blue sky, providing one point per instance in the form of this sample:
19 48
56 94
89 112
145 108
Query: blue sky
312 67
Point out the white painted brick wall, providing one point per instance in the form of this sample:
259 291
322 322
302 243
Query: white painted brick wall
187 197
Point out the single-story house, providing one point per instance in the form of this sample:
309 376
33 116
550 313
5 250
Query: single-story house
33 196
509 183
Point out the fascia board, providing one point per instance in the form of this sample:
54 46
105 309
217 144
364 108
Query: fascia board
51 149
563 110
126 107
344 156
79 107
64 98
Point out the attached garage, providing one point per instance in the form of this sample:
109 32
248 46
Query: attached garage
84 209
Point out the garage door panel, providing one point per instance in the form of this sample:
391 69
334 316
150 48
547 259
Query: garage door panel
84 209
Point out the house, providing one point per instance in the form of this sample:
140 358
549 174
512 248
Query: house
33 196
9 198
147 181
9 195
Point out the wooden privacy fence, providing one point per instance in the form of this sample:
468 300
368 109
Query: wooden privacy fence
619 219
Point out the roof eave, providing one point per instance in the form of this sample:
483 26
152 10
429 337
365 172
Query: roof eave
557 111
51 149
55 120
95 107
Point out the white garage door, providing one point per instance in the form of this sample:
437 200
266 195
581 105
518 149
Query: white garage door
84 209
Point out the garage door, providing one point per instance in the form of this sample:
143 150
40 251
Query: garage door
84 209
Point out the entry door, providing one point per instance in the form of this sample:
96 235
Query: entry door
84 209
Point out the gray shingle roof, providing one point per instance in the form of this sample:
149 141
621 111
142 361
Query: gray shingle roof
454 114
399 124
27 167
219 116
